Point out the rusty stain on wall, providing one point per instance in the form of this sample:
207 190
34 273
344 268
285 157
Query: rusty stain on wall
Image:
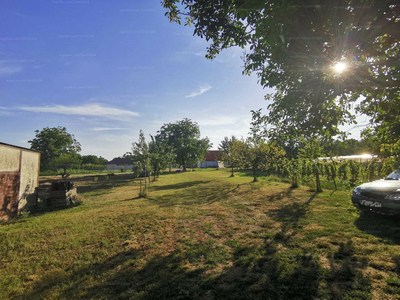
9 194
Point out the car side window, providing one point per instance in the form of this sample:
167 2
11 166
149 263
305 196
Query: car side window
394 175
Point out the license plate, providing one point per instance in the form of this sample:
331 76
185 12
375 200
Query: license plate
370 203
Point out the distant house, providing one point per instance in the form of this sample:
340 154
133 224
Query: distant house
19 179
211 160
119 162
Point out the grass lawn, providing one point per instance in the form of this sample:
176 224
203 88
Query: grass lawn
201 235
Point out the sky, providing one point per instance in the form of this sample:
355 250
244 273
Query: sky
107 69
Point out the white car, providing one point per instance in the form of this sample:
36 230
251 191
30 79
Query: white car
380 196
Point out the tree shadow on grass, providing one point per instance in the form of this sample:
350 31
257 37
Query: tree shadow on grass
279 196
273 269
339 278
198 194
289 215
179 186
99 187
189 273
386 227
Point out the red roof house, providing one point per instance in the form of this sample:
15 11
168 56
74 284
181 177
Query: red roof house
211 160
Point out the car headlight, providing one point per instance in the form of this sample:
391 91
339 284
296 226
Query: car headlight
357 191
393 196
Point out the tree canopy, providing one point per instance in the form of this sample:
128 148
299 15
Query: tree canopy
226 153
161 155
184 139
57 146
93 160
140 154
326 59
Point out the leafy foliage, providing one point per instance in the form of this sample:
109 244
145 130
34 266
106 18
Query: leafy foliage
293 47
184 139
160 155
93 159
57 146
226 154
66 161
140 154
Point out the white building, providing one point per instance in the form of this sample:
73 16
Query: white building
119 162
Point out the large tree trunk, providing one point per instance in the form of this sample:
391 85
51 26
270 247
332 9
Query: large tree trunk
254 175
65 173
232 175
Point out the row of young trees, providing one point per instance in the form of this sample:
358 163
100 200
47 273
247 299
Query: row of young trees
312 161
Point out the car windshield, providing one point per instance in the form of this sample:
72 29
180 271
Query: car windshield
394 175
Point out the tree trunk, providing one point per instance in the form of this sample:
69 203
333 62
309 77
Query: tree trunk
65 173
254 175
333 168
295 182
318 182
232 175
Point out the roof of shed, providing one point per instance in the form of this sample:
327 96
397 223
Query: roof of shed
120 161
13 146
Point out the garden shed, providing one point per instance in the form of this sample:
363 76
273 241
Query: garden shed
19 179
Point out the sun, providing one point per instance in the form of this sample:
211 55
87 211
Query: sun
339 67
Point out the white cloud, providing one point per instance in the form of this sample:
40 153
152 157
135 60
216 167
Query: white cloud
199 92
83 110
106 128
9 70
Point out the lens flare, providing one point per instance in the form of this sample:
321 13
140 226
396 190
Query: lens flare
339 67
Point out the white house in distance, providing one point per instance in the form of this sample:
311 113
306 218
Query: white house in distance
119 162
211 160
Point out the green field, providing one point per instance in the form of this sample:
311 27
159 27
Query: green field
201 235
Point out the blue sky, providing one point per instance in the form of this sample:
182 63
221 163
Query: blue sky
106 69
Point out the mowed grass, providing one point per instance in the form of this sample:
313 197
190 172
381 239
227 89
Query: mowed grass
201 235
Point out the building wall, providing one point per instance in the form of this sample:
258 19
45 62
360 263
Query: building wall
19 177
118 167
29 178
9 159
208 164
